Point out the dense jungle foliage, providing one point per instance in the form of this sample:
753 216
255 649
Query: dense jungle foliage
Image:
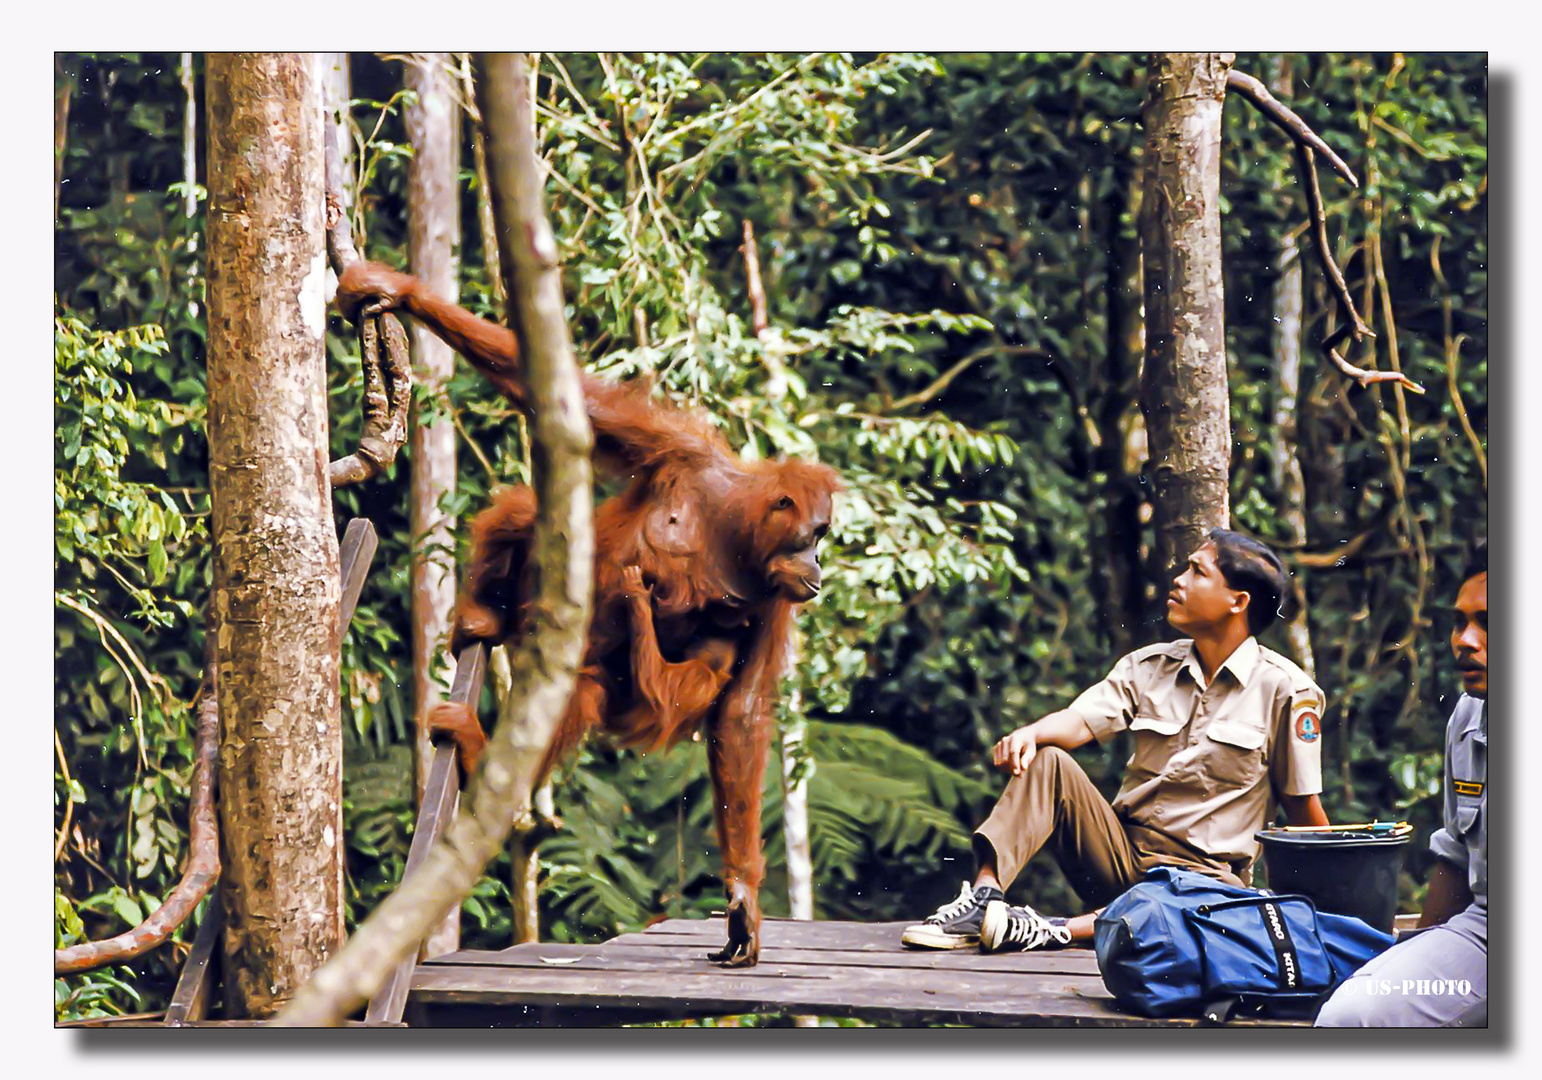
948 245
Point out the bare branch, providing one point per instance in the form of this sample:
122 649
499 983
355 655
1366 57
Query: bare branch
1308 144
752 273
1364 376
1353 325
69 796
1453 356
942 381
1284 118
203 864
1319 218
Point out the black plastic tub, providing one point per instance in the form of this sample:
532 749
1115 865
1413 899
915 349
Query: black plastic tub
1347 873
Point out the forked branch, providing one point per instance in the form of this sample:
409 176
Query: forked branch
203 864
1308 146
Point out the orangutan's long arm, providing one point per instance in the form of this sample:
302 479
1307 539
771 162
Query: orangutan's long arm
628 424
737 745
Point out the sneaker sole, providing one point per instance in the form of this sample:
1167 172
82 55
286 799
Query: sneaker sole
929 937
993 925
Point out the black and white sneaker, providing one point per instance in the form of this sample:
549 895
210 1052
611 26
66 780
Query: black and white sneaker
956 924
1013 929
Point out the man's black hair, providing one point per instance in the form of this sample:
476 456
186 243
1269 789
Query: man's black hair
1251 567
1477 560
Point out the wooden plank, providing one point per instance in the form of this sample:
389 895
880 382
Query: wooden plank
828 968
470 672
127 1022
195 986
440 797
355 553
785 933
1078 962
994 999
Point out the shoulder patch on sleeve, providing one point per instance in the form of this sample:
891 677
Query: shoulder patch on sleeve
1306 707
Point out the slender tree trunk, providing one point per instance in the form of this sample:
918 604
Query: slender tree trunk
1287 365
545 668
276 589
800 863
64 86
336 93
490 259
1183 384
189 137
800 866
190 171
1119 580
433 246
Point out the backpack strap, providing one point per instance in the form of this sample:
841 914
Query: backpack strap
1220 1010
1289 965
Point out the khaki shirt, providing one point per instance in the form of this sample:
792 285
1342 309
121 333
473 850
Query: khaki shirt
1209 761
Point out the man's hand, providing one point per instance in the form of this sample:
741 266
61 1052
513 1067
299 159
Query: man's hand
1014 753
368 288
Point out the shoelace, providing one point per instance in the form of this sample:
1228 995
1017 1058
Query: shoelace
1030 929
948 911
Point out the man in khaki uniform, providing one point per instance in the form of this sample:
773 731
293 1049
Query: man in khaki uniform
1224 729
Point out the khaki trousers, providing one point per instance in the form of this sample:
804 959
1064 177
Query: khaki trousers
1055 804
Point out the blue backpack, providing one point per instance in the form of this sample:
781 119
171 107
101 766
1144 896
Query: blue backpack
1181 943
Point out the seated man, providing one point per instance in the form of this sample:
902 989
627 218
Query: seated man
1223 729
1438 977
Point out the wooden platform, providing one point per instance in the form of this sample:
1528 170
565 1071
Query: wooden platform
838 969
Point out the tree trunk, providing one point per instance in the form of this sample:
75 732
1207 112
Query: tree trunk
546 667
190 172
800 863
800 867
189 137
64 86
433 240
276 589
1117 579
1287 365
490 259
1183 384
336 93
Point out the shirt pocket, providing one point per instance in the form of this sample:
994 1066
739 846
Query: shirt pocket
1467 817
1154 743
1234 754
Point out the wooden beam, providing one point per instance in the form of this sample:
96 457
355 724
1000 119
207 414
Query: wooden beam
195 986
355 554
440 796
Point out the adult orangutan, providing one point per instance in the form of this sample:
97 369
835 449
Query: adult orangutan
699 564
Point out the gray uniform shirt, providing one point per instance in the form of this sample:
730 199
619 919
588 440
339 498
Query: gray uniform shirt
1463 841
